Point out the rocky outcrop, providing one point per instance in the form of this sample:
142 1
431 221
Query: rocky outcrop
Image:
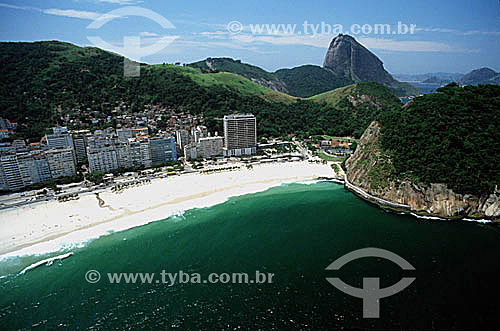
255 74
276 84
348 58
369 176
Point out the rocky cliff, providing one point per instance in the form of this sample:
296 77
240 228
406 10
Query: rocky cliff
369 171
349 59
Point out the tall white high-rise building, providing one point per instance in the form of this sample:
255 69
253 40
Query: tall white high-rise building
162 150
27 168
123 154
102 158
182 138
23 169
139 152
146 157
80 144
10 173
240 135
60 138
42 167
61 162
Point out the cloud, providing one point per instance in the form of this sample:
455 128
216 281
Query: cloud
320 41
183 46
409 46
458 32
215 35
121 2
148 34
86 15
441 30
6 5
478 32
323 40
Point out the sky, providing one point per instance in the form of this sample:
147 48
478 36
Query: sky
448 36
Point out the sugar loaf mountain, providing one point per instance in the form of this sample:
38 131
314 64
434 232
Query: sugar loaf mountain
438 155
346 62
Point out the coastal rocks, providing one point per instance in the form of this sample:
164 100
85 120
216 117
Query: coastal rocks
369 170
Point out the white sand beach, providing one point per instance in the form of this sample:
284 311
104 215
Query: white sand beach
54 222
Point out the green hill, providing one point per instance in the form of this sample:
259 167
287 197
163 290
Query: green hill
480 77
304 81
43 81
309 80
450 137
253 73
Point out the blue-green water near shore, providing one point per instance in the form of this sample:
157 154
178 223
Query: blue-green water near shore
294 231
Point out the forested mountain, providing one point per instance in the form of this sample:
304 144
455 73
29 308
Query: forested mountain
303 81
255 74
43 81
480 76
438 155
309 80
450 137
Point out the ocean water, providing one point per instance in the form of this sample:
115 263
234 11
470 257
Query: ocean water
426 88
293 231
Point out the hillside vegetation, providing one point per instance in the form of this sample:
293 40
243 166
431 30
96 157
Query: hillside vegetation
309 80
43 81
303 81
450 137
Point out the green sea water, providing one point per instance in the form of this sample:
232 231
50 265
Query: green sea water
293 231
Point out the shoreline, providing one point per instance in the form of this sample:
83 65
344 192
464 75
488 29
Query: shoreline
405 209
52 226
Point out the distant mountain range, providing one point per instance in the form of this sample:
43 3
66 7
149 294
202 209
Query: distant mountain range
483 76
437 81
346 62
419 78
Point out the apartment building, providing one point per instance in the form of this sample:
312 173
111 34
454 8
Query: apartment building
61 162
162 150
182 138
240 134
